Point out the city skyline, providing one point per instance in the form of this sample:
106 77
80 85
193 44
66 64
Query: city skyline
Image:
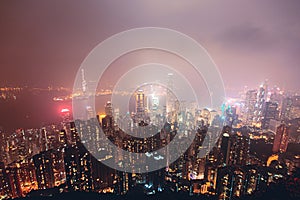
147 99
253 153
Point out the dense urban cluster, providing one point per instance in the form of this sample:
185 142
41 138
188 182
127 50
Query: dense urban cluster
253 144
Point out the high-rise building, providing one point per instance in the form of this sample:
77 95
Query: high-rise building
273 124
225 148
103 176
24 177
286 108
236 181
270 111
240 150
230 182
124 182
2 145
108 120
251 180
281 139
73 134
295 109
140 105
78 169
87 133
72 168
235 149
83 82
14 183
211 175
260 101
249 108
63 138
170 88
85 170
4 183
44 169
290 108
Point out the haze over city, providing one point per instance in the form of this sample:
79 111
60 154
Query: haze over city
150 99
44 43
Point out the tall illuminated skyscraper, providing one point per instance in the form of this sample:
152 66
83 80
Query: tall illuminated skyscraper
170 99
72 168
44 169
230 182
249 108
140 105
261 99
225 148
269 112
78 168
73 134
83 82
63 138
235 149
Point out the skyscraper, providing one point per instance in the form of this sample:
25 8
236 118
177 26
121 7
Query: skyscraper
286 108
108 120
230 182
235 149
74 135
78 168
269 112
225 148
83 82
71 167
281 139
63 138
44 169
4 184
170 99
260 101
140 105
250 101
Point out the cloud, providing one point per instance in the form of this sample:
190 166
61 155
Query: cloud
246 36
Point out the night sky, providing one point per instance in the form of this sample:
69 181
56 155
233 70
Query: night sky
44 42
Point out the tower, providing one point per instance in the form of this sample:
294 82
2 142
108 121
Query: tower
44 169
235 149
269 112
78 168
249 108
63 138
281 139
140 105
261 98
170 99
225 148
83 82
